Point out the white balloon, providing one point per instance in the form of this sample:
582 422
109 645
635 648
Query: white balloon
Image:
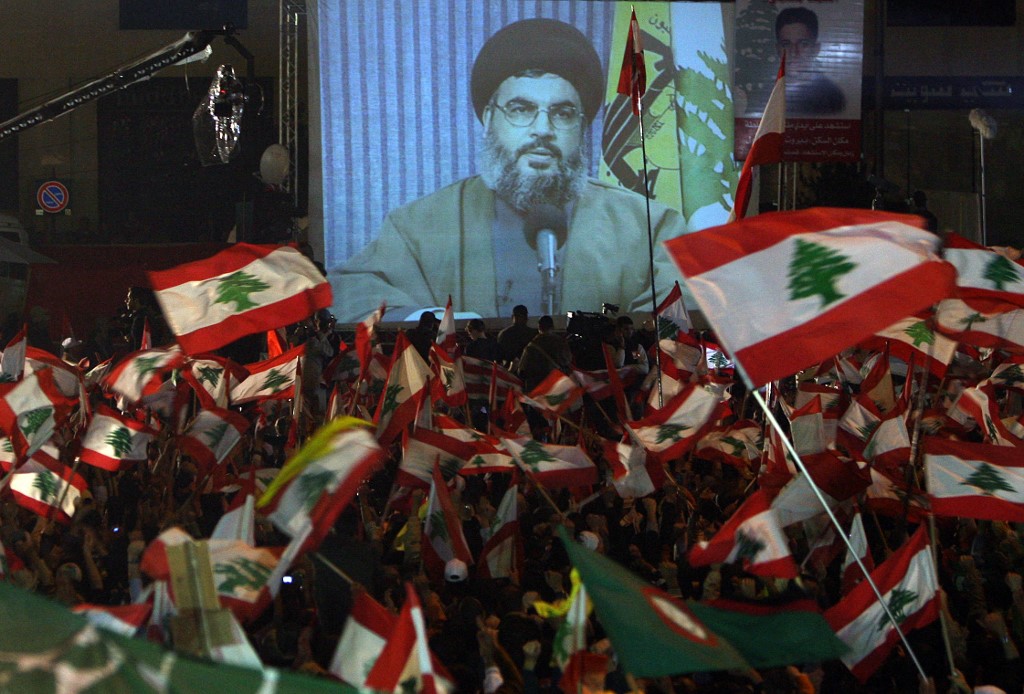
274 164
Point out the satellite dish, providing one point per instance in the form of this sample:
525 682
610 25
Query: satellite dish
274 165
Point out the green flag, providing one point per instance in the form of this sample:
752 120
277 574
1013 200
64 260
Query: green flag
799 633
653 633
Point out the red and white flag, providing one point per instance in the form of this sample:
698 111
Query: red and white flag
738 444
786 290
449 382
677 427
554 395
40 485
271 379
550 465
12 362
910 588
212 378
983 274
672 315
851 573
212 435
767 145
974 480
446 330
125 620
634 473
366 632
402 395
997 326
244 289
752 536
915 336
633 74
442 531
366 333
503 552
405 663
978 407
31 410
68 377
807 427
113 440
422 448
141 373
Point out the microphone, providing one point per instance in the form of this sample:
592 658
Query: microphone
545 230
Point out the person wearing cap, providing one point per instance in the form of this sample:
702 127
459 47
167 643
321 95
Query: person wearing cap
536 85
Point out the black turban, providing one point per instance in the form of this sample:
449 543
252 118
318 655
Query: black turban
539 44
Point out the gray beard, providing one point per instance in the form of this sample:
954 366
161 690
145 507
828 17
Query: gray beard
524 192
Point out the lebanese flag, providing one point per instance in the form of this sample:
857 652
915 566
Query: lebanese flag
488 380
554 395
125 620
212 435
978 407
239 523
7 456
633 74
422 448
442 531
807 427
915 335
365 634
738 444
31 410
838 479
449 382
1008 374
1000 326
908 584
974 480
446 330
12 362
888 446
682 358
401 398
891 496
141 373
677 427
488 453
877 384
68 377
672 315
550 465
503 553
321 479
405 663
857 424
271 379
634 474
40 485
767 145
982 273
113 440
212 378
851 573
366 333
244 289
787 290
753 536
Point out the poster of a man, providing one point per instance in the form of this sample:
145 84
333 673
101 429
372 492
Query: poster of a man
808 91
536 87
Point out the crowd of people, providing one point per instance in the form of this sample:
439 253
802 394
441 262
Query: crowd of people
487 632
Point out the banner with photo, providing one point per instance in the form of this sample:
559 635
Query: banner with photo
824 45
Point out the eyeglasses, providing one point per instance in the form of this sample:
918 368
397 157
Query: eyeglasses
521 114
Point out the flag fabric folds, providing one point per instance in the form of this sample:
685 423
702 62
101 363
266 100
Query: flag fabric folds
633 75
242 290
113 440
974 480
271 379
767 145
31 410
787 290
675 428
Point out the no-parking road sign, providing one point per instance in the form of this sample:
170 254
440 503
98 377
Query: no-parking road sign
52 197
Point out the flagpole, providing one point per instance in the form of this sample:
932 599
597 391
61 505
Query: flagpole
828 510
650 246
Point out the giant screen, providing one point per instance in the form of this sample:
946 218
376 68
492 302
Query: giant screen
480 150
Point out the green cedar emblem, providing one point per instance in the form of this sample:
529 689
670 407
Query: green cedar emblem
478 461
276 381
236 288
47 483
737 447
120 439
670 432
667 329
555 399
241 573
1001 271
31 421
7 446
719 360
214 435
533 454
898 602
814 271
208 374
438 528
449 468
6 378
920 333
989 480
312 484
970 320
866 430
390 399
748 546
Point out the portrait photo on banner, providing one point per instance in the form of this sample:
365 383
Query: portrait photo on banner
481 150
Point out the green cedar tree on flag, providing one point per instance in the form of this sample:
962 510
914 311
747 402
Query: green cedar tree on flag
443 537
488 453
998 325
405 664
672 315
737 444
212 435
449 382
915 336
43 482
786 290
114 440
753 536
551 465
974 480
978 408
403 391
212 378
633 75
142 373
244 289
653 633
984 274
910 588
31 410
270 379
554 395
422 448
674 429
321 479
1008 374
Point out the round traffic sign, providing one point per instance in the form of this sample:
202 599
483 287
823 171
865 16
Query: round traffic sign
52 197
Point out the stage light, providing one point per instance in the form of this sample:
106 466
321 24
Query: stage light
217 121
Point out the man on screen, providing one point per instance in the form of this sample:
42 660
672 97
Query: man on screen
536 86
808 92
